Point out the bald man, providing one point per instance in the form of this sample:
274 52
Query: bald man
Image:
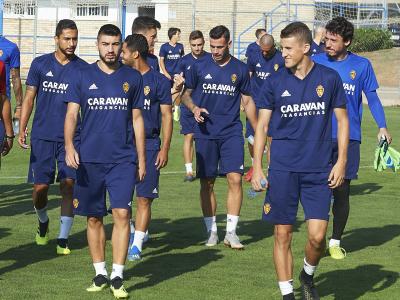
261 66
253 48
318 43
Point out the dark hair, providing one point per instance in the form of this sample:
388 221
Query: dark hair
137 42
196 34
65 24
109 29
144 23
342 27
299 30
259 31
172 31
219 32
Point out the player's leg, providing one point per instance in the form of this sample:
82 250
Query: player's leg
39 196
120 183
188 156
207 157
231 164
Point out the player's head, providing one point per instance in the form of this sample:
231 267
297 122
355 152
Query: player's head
260 32
109 43
339 34
196 41
135 47
220 43
66 37
147 26
267 46
319 34
296 42
174 34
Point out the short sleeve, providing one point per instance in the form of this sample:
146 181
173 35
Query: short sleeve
15 60
191 77
33 78
245 87
369 83
164 91
74 89
265 97
137 94
163 51
338 96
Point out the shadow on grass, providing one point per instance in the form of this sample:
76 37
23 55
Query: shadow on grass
355 283
364 188
17 199
4 232
360 238
167 266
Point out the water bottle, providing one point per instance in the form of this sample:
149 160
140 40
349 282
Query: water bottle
251 193
15 126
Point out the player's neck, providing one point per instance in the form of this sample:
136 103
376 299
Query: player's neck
303 68
173 43
341 56
108 69
62 58
141 66
197 56
224 61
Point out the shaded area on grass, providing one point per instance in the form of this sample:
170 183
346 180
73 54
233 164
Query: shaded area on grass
364 188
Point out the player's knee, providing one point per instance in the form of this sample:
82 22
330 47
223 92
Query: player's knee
41 190
283 236
94 222
207 184
317 240
234 180
143 203
121 215
67 188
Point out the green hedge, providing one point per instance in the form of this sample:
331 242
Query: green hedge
368 39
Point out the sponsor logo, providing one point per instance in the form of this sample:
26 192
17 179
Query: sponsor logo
262 75
233 78
93 87
173 56
75 203
267 208
146 90
320 90
54 87
349 88
353 74
221 89
125 87
109 103
286 94
208 76
303 109
49 74
276 67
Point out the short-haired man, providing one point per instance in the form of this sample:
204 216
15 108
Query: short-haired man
109 95
358 76
6 129
170 53
262 65
157 116
187 121
318 43
254 47
48 81
213 92
296 107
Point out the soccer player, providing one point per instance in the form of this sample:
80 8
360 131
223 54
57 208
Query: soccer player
213 92
109 96
358 76
262 65
196 42
48 82
10 55
170 53
157 116
6 129
255 46
296 107
318 43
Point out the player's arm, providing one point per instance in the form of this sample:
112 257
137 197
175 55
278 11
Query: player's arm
264 116
26 111
250 110
163 69
71 119
336 177
17 87
138 127
188 101
5 106
376 108
166 128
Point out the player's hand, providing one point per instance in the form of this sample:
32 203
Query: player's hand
336 177
257 178
162 159
141 172
7 145
179 80
22 138
197 112
71 157
383 132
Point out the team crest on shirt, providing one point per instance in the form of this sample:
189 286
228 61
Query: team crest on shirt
234 78
353 74
267 208
320 90
276 67
1 53
125 87
146 90
75 203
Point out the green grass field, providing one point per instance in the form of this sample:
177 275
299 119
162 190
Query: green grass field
176 265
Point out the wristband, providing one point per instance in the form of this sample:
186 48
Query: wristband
11 137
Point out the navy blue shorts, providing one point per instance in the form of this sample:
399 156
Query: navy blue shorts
353 158
219 157
148 188
287 188
187 123
46 157
93 180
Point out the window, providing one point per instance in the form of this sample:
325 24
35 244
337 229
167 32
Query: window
91 10
23 8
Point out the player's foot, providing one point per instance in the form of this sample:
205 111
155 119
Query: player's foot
176 114
289 297
212 239
42 235
62 247
248 175
99 283
189 178
134 253
232 240
337 252
308 289
117 288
